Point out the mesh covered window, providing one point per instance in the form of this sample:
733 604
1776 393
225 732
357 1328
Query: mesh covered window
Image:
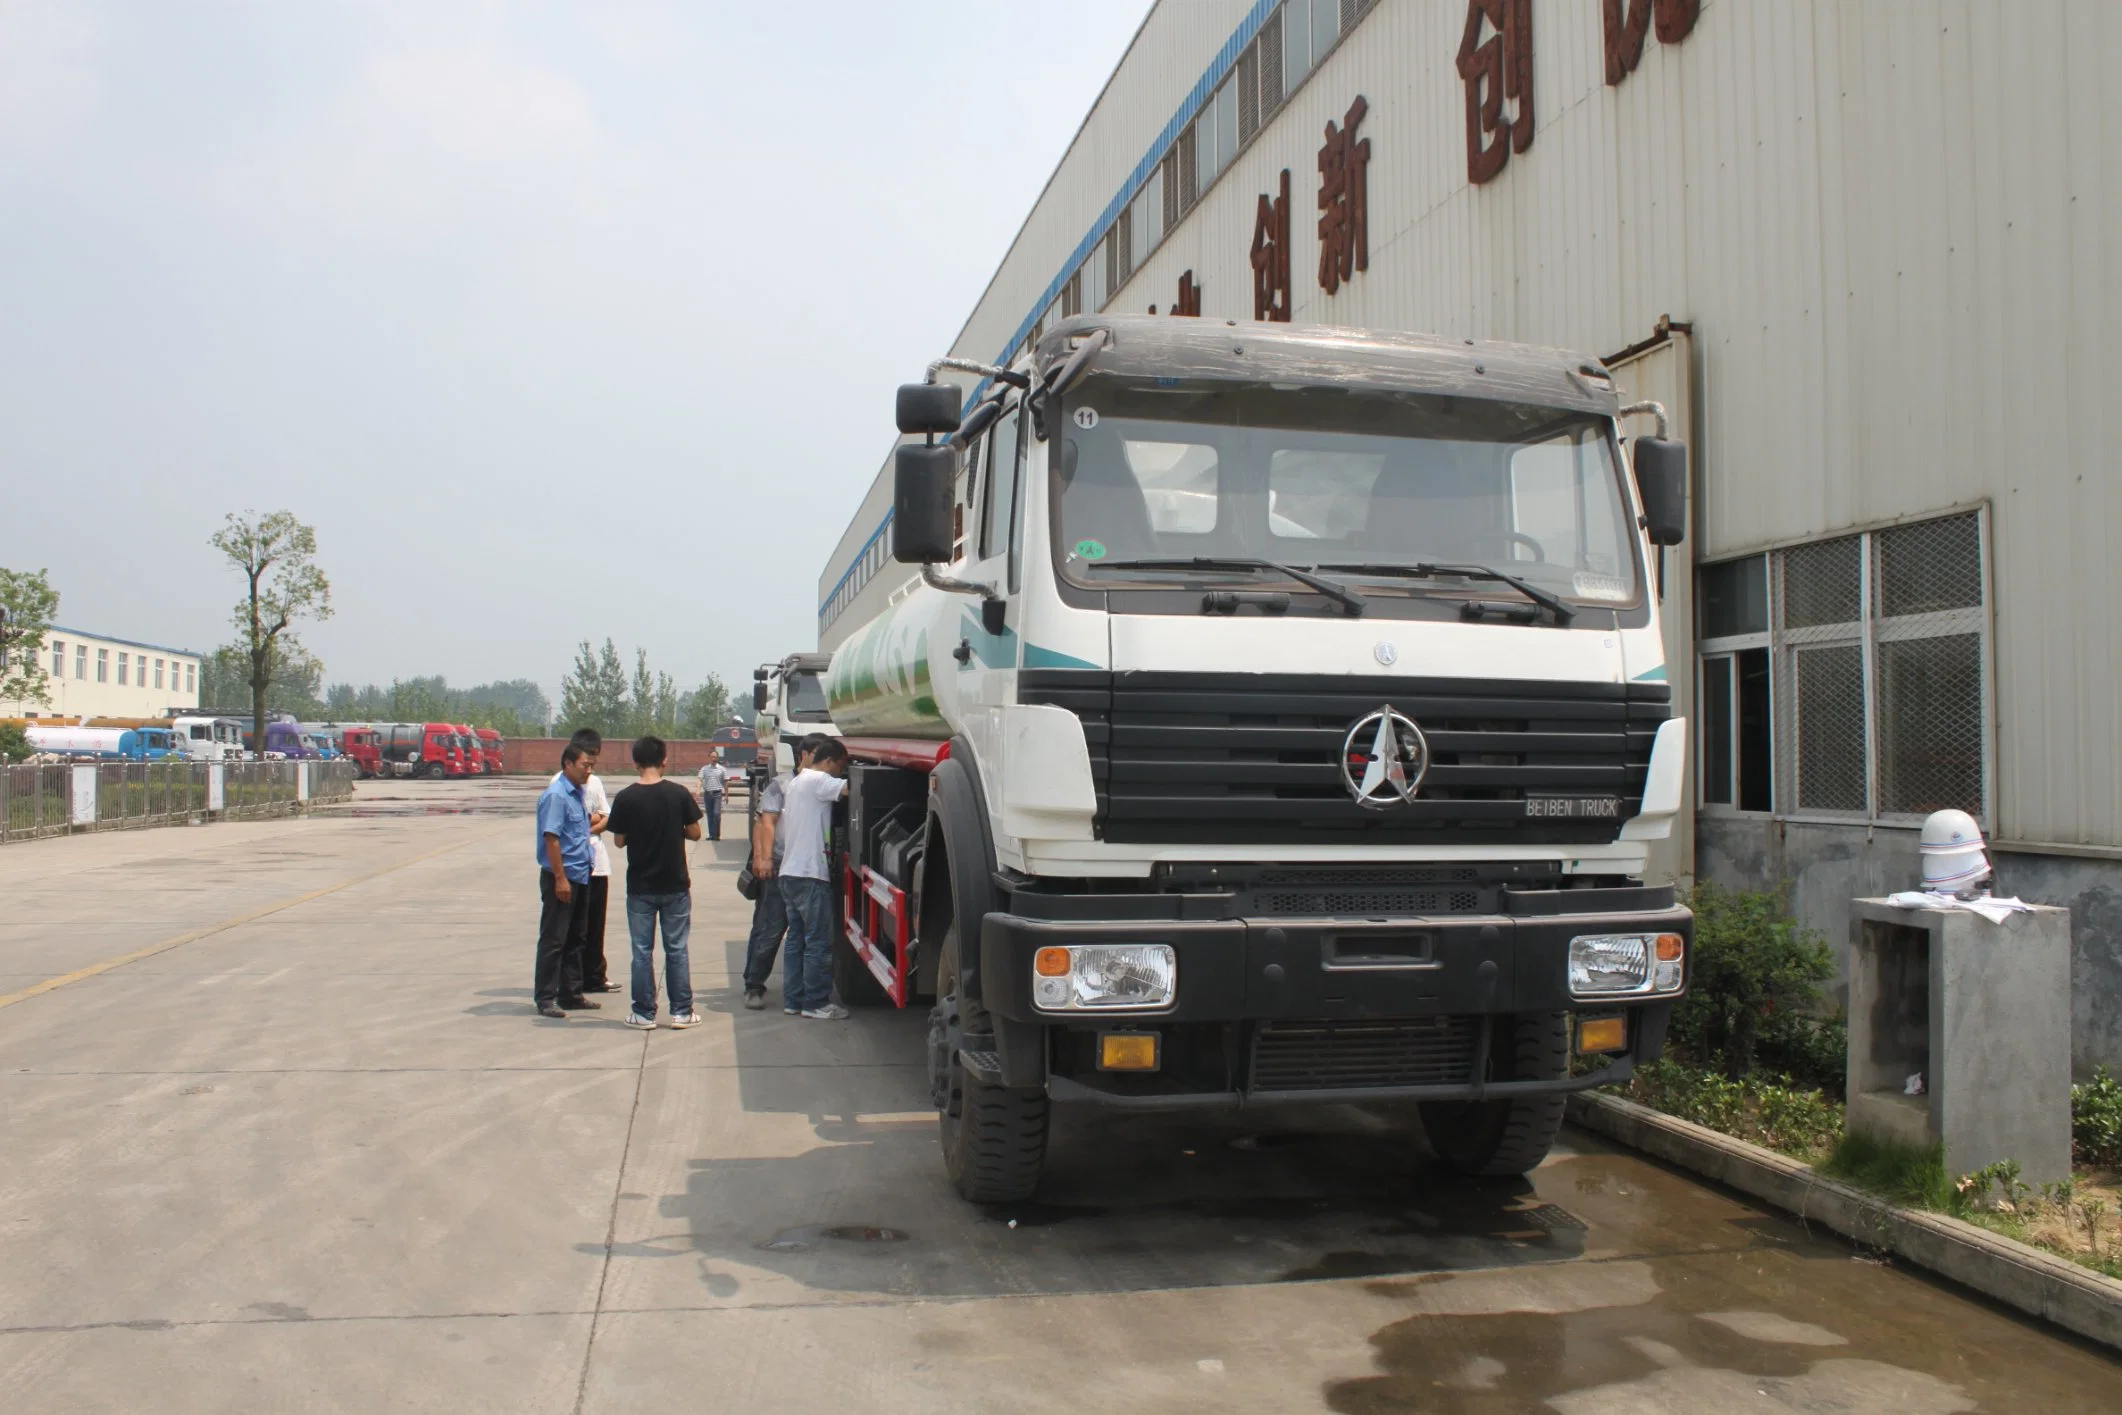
1830 702
1248 93
1877 646
1270 55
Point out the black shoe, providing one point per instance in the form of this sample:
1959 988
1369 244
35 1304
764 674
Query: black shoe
755 998
579 1004
605 987
551 1009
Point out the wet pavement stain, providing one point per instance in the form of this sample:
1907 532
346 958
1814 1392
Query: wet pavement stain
1754 1330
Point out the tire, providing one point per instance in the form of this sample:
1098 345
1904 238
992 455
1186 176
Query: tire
993 1137
1510 1136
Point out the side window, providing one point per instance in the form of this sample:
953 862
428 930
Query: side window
968 491
1004 462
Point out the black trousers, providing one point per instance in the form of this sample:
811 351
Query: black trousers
562 925
594 973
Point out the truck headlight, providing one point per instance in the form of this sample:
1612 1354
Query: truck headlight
1091 977
1626 965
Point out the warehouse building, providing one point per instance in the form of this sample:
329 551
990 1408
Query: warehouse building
1866 253
94 675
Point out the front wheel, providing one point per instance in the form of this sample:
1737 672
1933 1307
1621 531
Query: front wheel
994 1137
1512 1135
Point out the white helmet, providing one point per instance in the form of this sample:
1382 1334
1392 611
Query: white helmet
1953 858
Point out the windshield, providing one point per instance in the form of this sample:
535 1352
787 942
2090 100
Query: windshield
1343 479
806 698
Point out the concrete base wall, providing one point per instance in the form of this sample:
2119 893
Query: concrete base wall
1829 865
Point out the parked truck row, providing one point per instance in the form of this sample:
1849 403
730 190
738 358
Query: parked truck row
432 749
1268 715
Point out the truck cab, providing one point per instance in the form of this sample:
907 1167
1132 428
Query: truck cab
789 700
489 749
1274 714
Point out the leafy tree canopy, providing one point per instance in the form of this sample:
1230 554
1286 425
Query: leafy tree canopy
30 602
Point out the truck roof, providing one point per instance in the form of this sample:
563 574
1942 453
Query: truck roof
1160 346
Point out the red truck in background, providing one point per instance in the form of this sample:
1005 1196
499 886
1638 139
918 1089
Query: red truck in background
363 750
489 748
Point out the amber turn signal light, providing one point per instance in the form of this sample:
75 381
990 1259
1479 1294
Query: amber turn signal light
1671 947
1597 1035
1127 1051
1050 962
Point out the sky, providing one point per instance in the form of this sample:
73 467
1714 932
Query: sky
556 321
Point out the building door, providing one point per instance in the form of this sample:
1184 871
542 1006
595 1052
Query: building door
1664 372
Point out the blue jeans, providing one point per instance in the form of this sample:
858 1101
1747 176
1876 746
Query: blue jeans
769 922
714 813
807 965
677 914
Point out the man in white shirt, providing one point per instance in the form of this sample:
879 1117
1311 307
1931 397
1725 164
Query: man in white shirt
806 883
595 976
713 778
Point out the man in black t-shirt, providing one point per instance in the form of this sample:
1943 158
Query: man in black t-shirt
651 820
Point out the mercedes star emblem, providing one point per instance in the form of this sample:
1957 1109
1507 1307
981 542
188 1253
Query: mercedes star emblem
1385 653
1383 759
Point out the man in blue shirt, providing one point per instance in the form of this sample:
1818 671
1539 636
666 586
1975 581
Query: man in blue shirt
564 860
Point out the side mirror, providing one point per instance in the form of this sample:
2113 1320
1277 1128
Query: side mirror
758 697
930 408
924 489
1661 480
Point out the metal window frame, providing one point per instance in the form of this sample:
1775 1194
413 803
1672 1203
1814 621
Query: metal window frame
1867 633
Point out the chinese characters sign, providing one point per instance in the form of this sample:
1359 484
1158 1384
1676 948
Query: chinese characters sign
1344 216
1497 70
1627 21
1271 256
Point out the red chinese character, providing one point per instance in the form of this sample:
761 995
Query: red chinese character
1344 218
1189 301
1271 256
1495 69
1625 32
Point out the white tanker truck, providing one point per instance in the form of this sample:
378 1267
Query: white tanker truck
1279 716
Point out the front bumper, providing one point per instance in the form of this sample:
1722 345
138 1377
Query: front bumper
1421 995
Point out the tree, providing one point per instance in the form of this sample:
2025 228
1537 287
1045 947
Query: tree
706 708
27 604
14 744
594 693
277 555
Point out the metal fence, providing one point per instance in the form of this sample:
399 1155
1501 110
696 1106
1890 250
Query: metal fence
66 797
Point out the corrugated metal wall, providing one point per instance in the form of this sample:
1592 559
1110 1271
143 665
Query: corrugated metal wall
1893 224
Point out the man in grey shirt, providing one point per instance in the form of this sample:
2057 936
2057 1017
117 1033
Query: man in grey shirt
769 911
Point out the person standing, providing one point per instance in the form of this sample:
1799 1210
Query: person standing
563 888
769 913
806 883
713 778
651 821
596 974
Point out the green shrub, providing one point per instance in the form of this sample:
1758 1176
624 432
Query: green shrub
1813 1051
14 743
1901 1174
1760 1110
1756 972
2096 1120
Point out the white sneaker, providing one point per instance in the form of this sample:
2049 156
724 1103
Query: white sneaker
831 1012
646 1024
680 1021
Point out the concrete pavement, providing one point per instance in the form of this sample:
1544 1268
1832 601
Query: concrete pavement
318 1154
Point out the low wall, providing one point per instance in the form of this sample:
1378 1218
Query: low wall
541 755
66 798
1829 865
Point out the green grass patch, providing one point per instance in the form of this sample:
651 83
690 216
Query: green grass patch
1763 1110
1901 1174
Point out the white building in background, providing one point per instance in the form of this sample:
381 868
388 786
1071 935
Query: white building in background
1868 253
94 675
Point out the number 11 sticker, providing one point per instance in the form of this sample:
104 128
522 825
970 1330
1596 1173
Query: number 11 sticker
1086 417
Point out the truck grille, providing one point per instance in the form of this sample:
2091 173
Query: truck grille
1255 758
1309 1056
1370 901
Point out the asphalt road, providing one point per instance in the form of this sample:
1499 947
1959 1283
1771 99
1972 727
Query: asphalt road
306 1147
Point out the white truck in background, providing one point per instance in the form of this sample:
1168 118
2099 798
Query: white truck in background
1279 715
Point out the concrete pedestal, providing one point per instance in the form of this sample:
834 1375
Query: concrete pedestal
1982 1010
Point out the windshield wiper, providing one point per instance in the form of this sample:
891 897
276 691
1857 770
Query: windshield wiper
1334 590
1554 604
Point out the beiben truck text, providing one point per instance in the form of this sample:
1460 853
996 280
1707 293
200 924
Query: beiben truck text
1279 714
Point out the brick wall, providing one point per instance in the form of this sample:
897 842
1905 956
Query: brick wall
541 755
